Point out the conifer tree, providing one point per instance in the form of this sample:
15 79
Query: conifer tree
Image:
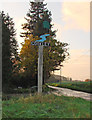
39 23
36 17
9 48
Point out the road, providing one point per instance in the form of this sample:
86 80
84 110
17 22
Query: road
68 92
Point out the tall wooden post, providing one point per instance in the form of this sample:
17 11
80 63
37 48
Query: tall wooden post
40 68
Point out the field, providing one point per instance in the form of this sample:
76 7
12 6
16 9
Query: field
46 106
79 86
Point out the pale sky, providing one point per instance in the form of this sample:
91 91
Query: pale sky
72 20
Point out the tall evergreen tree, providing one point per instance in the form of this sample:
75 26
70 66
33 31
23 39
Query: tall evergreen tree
39 23
9 47
36 17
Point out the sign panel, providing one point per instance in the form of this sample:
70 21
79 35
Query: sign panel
40 43
43 38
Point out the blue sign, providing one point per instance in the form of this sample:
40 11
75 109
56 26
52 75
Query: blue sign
41 41
43 38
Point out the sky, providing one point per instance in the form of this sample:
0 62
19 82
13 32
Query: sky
71 19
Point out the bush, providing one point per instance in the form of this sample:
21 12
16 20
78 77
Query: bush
23 80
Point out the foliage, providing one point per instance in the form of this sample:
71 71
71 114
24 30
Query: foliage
79 86
37 15
15 91
53 56
46 106
22 90
37 19
29 56
87 80
9 48
46 89
6 62
8 21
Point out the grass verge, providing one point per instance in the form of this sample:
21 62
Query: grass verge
46 106
79 86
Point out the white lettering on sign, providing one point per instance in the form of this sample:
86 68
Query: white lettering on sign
40 43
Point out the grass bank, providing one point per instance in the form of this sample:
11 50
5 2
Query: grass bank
46 106
80 86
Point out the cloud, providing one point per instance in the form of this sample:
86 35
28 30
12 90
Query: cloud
78 67
76 15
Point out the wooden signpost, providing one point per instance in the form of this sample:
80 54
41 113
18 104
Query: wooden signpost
40 68
40 44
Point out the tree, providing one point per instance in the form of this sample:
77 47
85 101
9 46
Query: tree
38 18
53 56
9 48
29 56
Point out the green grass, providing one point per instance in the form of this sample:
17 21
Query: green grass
80 86
46 106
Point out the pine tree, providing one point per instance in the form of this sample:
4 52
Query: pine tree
36 17
39 23
9 48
